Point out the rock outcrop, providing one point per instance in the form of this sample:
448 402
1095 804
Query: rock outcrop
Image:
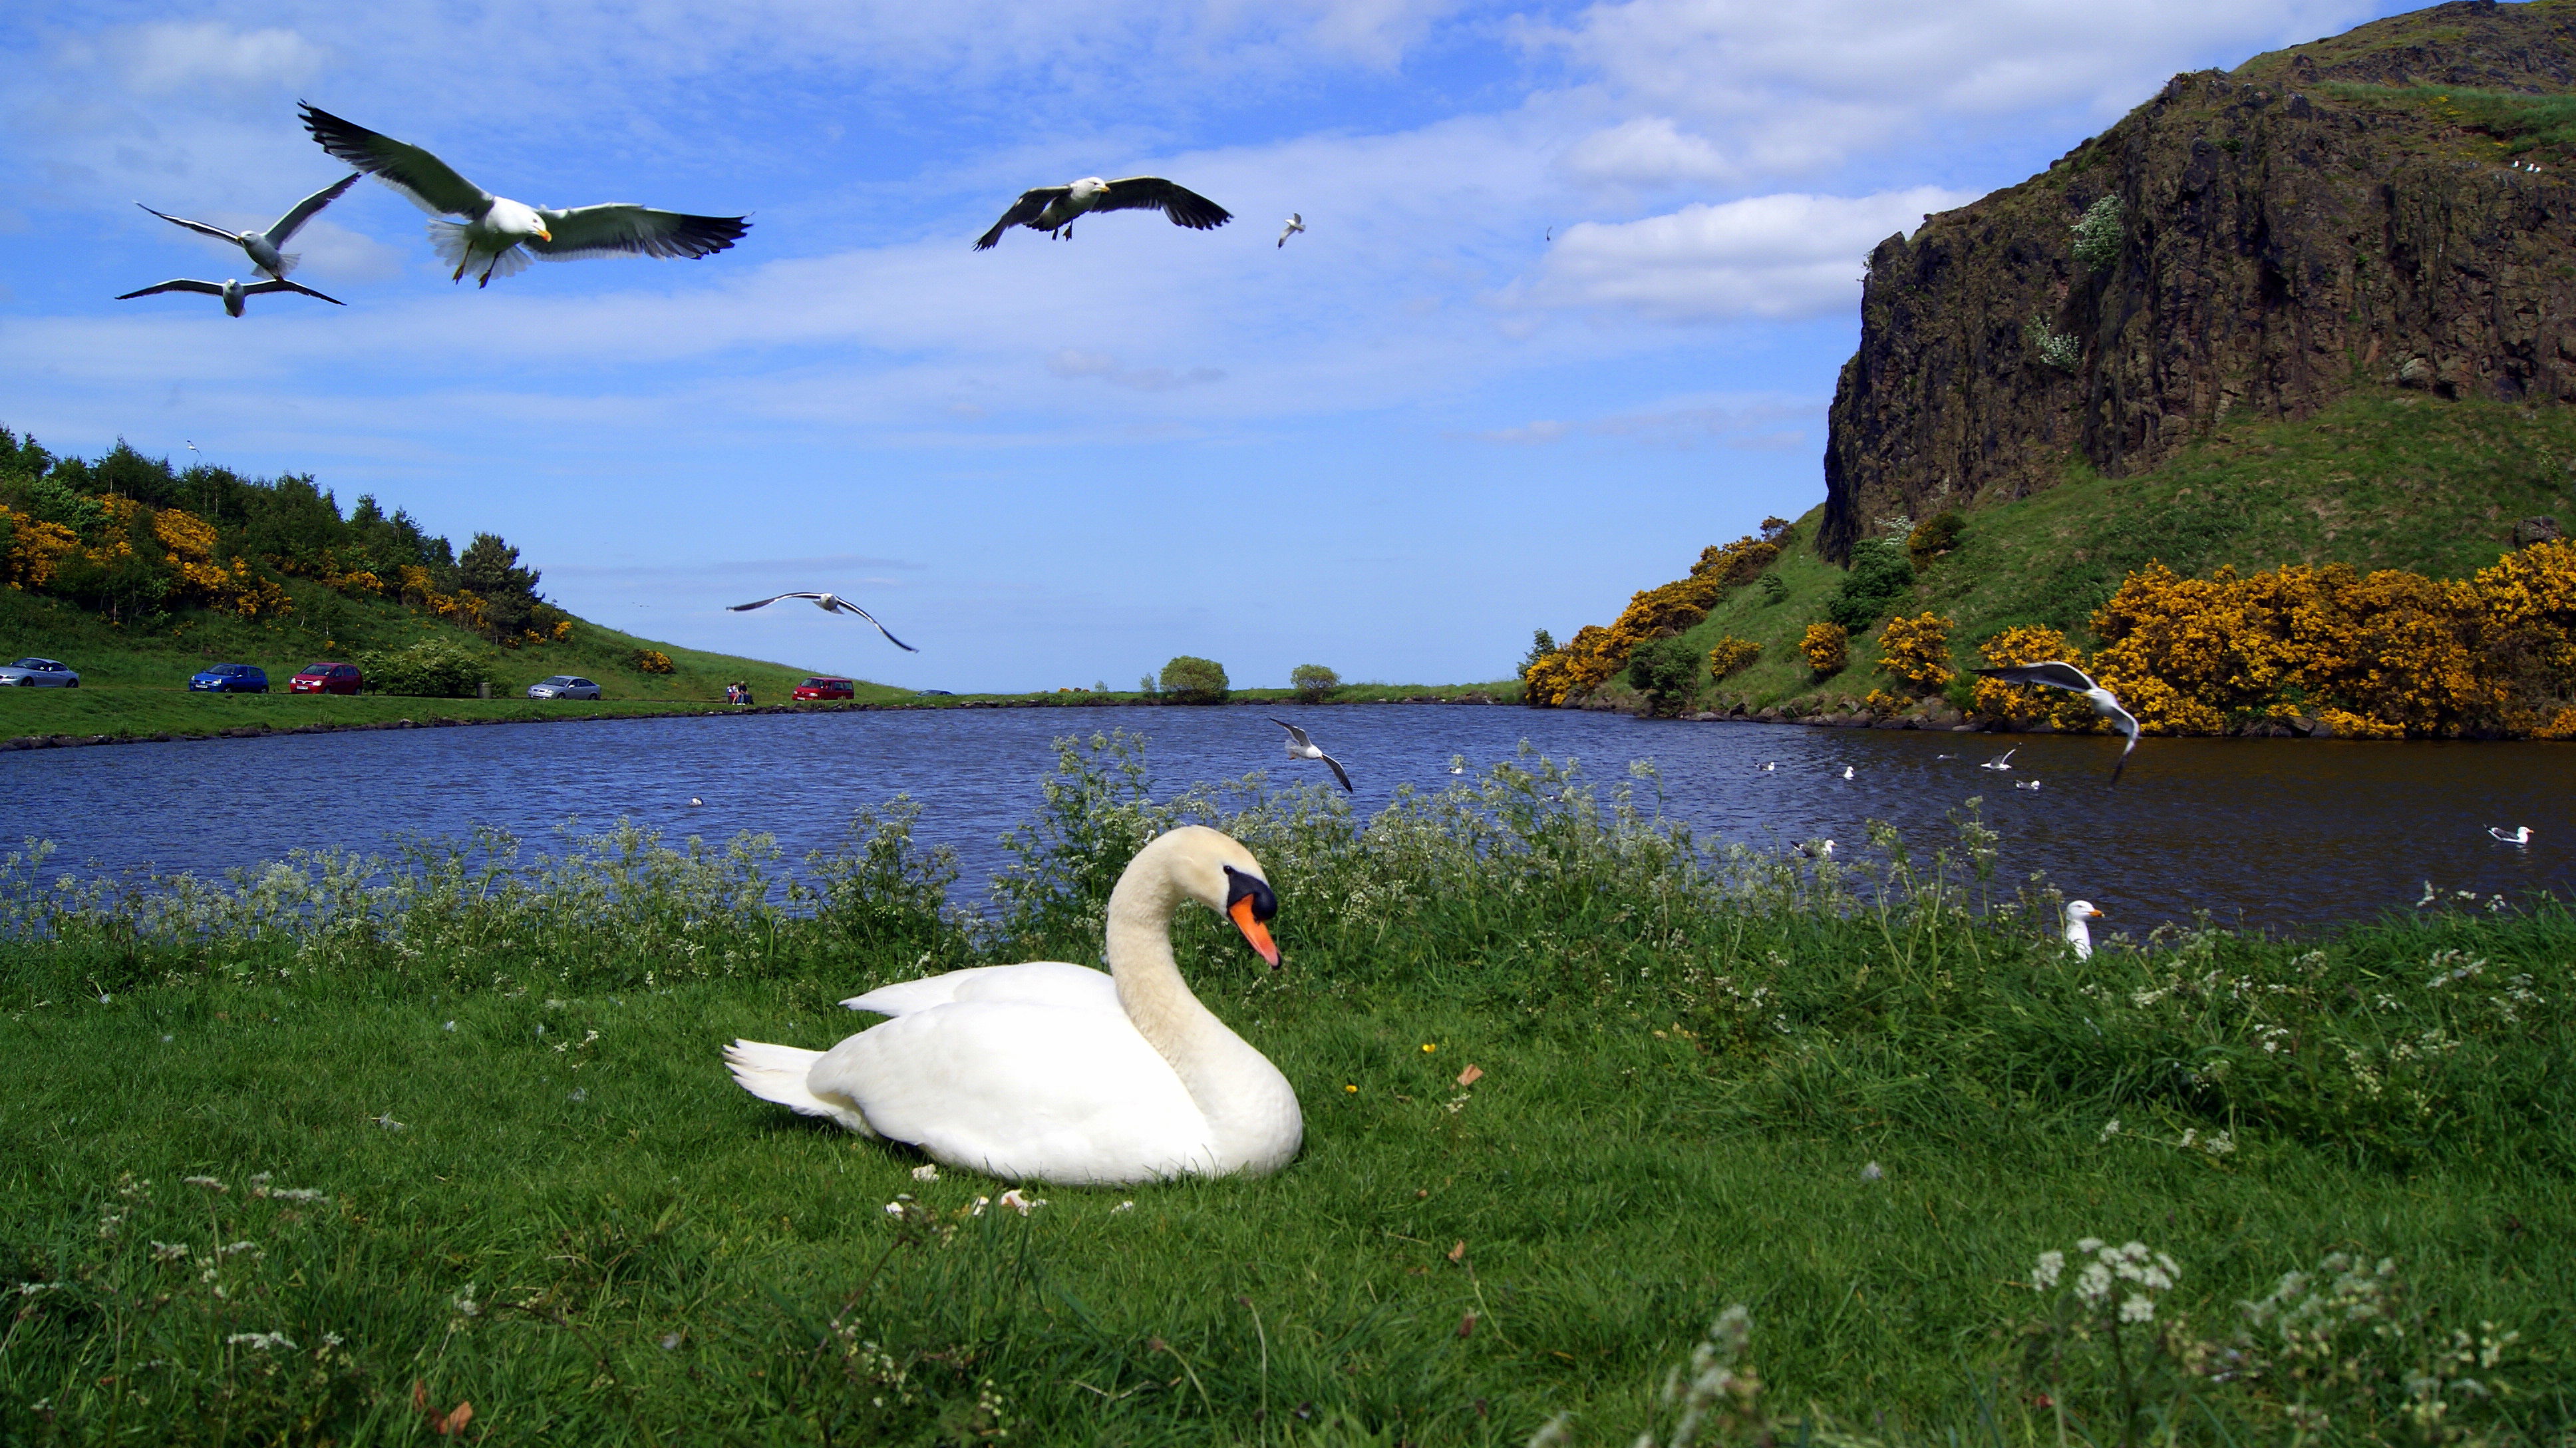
2317 220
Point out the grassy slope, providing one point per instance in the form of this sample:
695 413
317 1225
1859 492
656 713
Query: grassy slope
2380 480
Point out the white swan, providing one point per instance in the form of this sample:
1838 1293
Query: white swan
1057 1071
2077 935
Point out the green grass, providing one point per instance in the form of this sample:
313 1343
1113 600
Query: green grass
1688 1057
2382 479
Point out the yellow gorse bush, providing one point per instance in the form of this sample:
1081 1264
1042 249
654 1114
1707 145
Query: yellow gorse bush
1827 647
1595 653
1917 649
2386 654
1732 654
35 548
2032 644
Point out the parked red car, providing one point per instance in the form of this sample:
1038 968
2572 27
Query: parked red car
325 678
824 689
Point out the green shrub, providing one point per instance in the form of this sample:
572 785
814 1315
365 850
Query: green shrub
1774 588
1188 679
1313 682
1933 537
1878 576
1664 670
2098 233
430 669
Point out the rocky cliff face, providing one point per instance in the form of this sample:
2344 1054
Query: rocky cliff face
2317 220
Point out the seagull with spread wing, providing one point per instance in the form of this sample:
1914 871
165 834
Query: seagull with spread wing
262 246
1301 747
1052 209
232 291
1296 223
829 603
2056 674
498 234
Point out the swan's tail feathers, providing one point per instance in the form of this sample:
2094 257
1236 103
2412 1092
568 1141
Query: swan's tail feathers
777 1073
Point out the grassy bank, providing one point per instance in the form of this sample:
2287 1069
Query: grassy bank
2382 479
463 1128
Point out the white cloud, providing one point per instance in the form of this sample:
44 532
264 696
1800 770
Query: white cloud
160 58
1072 363
1775 257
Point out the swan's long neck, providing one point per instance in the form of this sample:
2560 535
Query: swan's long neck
1247 1102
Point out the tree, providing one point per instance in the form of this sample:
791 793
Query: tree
489 569
1665 670
1313 682
1542 644
1879 574
1192 680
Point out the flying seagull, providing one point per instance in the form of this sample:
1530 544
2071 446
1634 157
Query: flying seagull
2003 760
829 603
2518 835
2077 935
262 246
2057 675
1052 208
1301 747
1296 223
498 234
235 295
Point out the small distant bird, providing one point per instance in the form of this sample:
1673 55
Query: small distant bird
694 801
1457 764
2055 674
498 234
2518 835
2026 784
1301 747
1820 850
2003 760
1052 209
1770 766
1847 771
1296 223
2077 912
829 603
262 246
235 295
1938 757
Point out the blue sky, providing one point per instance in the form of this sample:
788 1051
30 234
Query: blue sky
1576 286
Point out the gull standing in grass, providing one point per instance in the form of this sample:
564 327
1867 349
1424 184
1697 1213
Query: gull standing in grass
2077 912
2518 835
2056 674
498 234
1052 209
829 603
1301 747
1296 223
235 295
262 246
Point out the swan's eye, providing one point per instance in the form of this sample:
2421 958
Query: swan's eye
1240 886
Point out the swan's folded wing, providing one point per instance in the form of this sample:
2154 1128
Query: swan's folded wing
1020 1091
1040 982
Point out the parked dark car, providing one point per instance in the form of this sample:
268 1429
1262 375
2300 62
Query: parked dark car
563 686
230 679
821 688
326 678
38 674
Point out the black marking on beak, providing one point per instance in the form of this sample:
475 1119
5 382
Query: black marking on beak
1239 885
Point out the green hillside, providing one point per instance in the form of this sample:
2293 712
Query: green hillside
2382 479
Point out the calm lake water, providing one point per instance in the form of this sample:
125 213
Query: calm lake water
2287 833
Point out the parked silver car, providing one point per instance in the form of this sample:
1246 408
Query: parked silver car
563 686
38 674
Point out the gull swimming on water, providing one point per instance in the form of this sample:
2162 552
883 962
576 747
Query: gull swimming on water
829 603
1820 850
2518 835
2026 784
1847 771
2003 760
262 246
1296 223
1301 747
1052 209
2055 674
498 234
235 295
2077 912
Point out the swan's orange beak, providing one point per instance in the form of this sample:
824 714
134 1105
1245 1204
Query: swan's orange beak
1253 930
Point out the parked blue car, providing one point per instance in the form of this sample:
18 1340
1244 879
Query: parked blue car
231 679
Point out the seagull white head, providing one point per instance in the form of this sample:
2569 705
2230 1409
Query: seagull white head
2078 912
1088 187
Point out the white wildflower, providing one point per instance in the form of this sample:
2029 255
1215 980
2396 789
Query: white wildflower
2044 1273
1122 1207
2139 1308
1872 1172
925 1173
209 1183
169 1251
1022 1204
2093 1284
2110 1128
465 1304
260 1341
980 1204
